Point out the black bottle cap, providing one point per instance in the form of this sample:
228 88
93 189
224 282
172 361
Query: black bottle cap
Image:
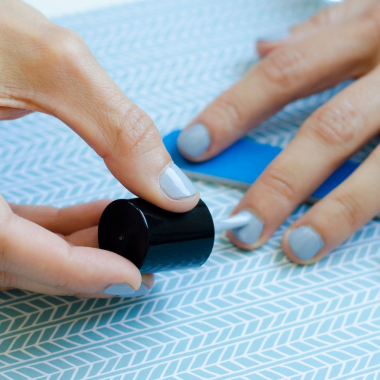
157 240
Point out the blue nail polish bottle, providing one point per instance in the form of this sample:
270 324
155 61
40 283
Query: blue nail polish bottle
157 240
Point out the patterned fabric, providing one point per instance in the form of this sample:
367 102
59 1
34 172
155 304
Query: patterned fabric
242 315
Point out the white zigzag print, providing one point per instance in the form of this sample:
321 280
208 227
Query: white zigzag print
242 315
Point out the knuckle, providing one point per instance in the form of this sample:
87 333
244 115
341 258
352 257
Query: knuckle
349 208
280 184
136 132
63 47
8 280
227 110
324 18
63 284
371 21
282 67
60 279
335 125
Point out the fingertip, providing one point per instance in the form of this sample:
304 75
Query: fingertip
177 191
250 236
288 251
124 290
245 246
184 205
175 205
175 184
194 141
149 172
95 270
303 245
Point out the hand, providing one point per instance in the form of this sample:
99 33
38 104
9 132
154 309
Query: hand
339 43
47 68
55 251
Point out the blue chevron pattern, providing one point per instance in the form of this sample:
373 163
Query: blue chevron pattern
242 315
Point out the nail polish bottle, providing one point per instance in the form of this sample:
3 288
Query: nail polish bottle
157 240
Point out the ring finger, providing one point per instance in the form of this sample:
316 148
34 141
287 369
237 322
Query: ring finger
323 143
331 221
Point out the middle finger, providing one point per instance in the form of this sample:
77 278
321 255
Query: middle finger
323 143
289 73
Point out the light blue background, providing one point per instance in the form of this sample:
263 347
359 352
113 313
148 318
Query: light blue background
242 315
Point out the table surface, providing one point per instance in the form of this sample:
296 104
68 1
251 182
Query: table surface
242 315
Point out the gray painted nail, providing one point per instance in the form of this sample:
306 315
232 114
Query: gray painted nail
126 290
194 141
250 233
274 36
175 184
142 291
117 289
305 242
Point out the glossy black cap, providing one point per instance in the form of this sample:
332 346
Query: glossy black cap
156 240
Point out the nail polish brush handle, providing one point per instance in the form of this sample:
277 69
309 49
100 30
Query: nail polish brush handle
235 221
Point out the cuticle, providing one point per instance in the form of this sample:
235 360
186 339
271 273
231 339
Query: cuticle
252 212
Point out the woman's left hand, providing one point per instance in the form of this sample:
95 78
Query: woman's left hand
55 251
340 43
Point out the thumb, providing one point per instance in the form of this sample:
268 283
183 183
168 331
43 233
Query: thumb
329 17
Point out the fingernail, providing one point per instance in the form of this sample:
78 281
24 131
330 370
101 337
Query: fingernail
126 290
194 141
250 233
274 36
117 289
305 242
141 291
175 184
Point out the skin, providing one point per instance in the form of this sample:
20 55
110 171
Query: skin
339 43
49 69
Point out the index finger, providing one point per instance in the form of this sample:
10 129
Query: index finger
66 81
287 74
